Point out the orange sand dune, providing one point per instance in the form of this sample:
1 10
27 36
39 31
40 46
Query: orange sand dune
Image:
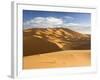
68 58
55 47
46 40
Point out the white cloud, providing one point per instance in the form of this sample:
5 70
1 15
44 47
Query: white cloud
85 30
54 21
73 24
78 27
40 22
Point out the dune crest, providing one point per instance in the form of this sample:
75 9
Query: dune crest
44 40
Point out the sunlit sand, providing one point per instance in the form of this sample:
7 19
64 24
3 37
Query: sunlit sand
68 58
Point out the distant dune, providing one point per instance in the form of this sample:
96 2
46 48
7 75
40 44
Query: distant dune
68 58
46 40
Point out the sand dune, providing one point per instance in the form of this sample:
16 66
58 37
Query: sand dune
68 58
55 47
43 40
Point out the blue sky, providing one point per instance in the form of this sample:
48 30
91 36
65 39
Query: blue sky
33 19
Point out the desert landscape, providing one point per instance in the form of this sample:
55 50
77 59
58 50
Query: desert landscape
55 47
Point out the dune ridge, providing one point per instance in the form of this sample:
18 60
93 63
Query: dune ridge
44 40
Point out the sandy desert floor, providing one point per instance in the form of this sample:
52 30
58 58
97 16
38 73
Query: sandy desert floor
69 58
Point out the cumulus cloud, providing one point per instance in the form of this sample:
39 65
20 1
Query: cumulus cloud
72 24
43 22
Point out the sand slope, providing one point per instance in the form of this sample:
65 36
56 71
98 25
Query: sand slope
34 45
46 40
68 58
